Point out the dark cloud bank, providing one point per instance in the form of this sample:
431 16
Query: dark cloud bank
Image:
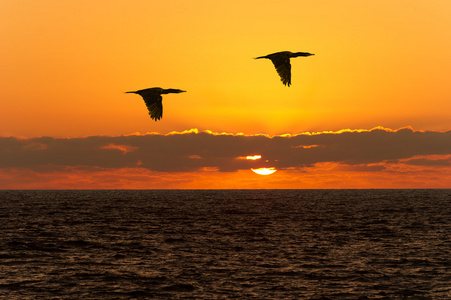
193 151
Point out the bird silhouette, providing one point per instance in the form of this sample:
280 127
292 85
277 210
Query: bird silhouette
152 98
281 61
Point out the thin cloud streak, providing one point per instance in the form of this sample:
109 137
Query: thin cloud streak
192 150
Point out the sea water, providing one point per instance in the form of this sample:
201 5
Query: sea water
225 244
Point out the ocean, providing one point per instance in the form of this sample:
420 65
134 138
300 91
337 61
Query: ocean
225 244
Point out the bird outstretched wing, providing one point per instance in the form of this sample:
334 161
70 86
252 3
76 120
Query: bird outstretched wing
283 67
154 105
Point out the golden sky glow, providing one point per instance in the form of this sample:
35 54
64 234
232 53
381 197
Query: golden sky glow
66 65
253 157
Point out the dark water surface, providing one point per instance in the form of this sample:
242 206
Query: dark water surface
220 244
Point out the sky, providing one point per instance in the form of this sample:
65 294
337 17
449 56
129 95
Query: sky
371 108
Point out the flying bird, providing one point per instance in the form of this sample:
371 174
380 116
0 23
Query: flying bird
152 98
281 61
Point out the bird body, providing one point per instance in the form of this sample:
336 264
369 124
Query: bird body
152 98
281 61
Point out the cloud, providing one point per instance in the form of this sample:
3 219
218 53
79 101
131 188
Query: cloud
194 151
429 161
123 148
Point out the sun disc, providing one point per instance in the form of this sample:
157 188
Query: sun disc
264 171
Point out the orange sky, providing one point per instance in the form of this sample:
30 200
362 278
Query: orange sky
66 65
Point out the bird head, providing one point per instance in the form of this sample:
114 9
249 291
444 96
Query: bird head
296 54
176 91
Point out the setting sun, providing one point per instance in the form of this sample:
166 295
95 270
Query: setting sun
264 171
